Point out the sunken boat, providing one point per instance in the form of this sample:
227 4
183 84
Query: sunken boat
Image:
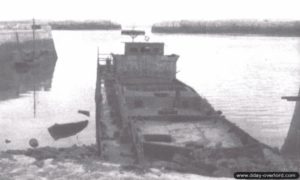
144 112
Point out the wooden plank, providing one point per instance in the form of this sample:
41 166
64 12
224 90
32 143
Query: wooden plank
291 98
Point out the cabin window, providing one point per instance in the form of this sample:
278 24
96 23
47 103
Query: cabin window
156 50
138 103
145 49
133 50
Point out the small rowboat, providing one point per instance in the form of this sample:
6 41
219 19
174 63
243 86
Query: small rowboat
58 131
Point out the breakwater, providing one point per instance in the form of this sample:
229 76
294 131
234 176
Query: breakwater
266 28
84 25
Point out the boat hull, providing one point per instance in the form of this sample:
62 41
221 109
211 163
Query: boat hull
59 131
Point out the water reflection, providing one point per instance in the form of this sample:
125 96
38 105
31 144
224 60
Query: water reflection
70 85
19 74
26 66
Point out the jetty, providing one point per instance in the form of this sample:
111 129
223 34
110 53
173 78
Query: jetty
291 146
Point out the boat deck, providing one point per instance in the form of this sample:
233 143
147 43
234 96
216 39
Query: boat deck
205 133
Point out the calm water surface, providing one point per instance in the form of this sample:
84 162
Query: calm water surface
242 76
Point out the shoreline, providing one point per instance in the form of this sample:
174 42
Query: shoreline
28 164
86 156
230 34
230 27
84 25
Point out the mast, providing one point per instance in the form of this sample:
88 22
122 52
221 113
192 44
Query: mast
33 38
33 58
34 27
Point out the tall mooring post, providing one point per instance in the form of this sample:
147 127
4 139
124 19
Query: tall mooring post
291 146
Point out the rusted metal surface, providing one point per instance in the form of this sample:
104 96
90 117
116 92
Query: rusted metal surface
163 151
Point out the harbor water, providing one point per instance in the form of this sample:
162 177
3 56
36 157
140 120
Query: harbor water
243 76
